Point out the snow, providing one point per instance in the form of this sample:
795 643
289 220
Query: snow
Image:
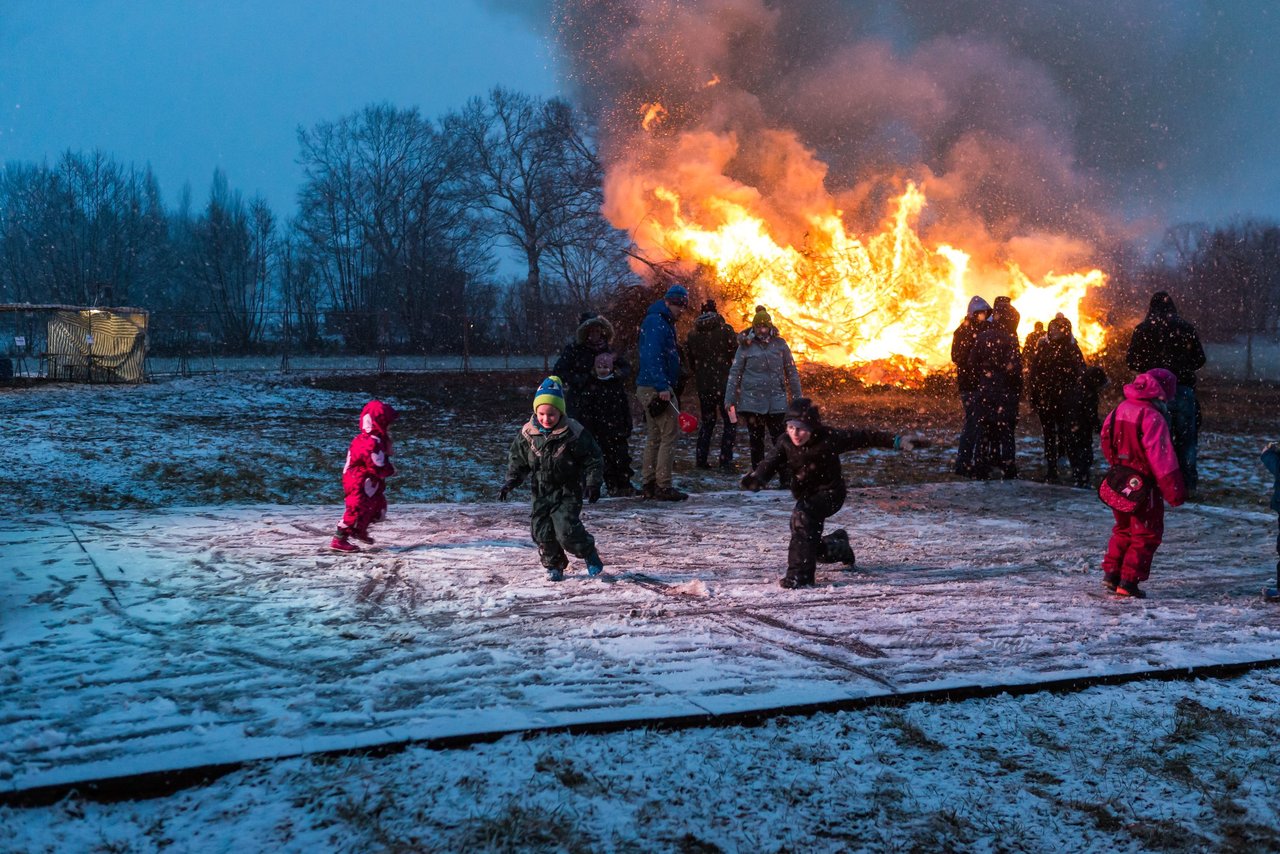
173 637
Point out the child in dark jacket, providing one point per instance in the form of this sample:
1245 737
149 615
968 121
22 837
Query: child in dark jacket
561 456
604 408
812 450
364 477
1136 434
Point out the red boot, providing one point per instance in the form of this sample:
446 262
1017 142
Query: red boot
338 544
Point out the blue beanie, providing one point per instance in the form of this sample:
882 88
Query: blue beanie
677 294
551 391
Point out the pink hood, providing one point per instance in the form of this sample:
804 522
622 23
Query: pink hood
1155 384
377 417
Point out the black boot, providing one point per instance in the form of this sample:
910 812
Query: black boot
837 548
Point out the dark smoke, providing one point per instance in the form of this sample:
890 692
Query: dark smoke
1022 117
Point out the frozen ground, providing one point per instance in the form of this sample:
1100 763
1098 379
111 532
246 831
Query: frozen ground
177 636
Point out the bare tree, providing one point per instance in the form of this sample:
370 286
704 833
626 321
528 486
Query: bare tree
234 251
531 172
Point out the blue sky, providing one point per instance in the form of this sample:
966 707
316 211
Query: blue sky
190 86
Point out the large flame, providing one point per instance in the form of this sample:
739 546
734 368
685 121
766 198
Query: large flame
885 302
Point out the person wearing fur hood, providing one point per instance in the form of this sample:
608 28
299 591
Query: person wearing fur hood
1136 434
577 361
762 380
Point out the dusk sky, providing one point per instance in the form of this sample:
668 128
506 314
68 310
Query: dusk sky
190 86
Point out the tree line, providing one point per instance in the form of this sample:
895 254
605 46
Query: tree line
392 246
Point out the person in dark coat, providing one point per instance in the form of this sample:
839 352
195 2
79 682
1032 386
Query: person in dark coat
1083 424
962 341
604 408
811 451
1034 337
1055 371
996 360
559 455
710 347
1165 340
576 364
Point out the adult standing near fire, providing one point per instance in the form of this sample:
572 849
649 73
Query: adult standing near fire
763 380
997 361
1165 340
962 341
656 382
710 348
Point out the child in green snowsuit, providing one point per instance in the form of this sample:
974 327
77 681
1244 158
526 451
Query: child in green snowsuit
561 456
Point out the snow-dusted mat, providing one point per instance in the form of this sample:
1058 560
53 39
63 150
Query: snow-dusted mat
133 642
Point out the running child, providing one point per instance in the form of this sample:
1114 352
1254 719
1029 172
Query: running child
364 477
811 451
564 461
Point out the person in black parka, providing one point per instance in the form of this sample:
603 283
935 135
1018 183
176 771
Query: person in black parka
1165 340
811 451
962 341
577 360
997 362
1055 369
710 347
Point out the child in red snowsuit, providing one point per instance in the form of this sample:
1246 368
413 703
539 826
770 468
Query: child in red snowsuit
1137 434
364 477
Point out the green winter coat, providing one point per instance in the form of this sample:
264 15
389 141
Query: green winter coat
559 464
566 457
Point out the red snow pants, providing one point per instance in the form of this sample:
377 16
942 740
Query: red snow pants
363 510
1134 540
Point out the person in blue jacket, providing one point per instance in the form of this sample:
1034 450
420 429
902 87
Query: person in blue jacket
1271 459
656 389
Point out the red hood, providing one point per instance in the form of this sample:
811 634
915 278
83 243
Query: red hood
377 417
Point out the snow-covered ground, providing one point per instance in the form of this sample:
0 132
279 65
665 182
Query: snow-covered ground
164 638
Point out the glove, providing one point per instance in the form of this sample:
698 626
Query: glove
914 439
752 483
506 489
593 493
657 406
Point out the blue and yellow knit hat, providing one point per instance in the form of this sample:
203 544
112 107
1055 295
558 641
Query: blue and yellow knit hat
551 391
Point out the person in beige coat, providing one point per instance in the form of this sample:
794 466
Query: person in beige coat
762 383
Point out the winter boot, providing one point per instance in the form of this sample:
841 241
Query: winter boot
362 536
838 549
556 574
340 544
1051 476
791 582
595 567
1111 580
1130 589
650 490
670 493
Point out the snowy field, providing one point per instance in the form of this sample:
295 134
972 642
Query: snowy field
200 629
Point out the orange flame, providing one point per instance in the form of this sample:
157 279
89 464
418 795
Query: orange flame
653 114
885 303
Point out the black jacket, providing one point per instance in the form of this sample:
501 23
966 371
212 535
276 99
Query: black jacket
815 465
996 359
710 347
578 358
1165 340
962 341
1055 370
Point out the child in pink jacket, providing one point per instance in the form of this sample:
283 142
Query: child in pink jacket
364 477
1137 434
